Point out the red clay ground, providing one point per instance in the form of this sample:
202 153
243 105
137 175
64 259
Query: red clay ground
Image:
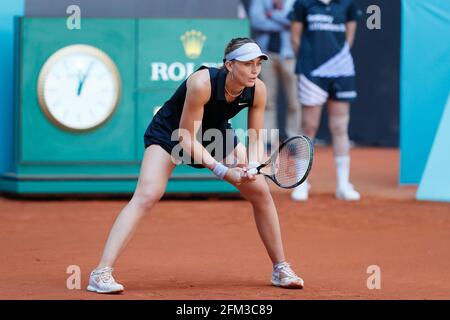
211 250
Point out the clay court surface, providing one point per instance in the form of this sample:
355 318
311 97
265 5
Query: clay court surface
210 249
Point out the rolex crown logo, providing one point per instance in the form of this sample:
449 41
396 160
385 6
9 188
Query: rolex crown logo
193 43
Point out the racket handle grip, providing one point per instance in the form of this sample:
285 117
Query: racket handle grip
253 171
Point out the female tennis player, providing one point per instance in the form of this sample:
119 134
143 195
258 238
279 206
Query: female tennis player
210 96
322 33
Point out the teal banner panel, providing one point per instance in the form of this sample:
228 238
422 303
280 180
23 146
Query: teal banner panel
8 9
425 81
435 183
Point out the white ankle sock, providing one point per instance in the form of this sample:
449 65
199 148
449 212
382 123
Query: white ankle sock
342 170
303 185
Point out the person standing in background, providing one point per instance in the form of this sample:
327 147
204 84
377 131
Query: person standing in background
243 9
271 30
322 33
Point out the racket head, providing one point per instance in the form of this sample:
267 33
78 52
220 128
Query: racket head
291 163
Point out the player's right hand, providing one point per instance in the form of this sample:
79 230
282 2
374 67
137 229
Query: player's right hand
237 175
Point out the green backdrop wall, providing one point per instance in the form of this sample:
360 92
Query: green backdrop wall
107 160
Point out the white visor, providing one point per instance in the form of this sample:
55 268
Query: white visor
246 52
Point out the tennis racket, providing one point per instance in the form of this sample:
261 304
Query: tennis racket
290 165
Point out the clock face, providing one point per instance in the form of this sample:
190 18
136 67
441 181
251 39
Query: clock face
79 88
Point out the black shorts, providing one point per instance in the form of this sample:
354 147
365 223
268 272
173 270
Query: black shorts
219 148
315 91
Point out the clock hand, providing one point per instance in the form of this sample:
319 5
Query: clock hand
83 79
79 84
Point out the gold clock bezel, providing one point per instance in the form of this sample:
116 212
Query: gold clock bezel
66 51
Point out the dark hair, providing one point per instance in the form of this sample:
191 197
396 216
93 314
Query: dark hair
234 44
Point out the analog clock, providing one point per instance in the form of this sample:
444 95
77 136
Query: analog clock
79 88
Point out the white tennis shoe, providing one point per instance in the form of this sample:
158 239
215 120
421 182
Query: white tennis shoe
284 277
300 192
102 281
347 192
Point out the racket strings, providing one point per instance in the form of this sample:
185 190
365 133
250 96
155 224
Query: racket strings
293 162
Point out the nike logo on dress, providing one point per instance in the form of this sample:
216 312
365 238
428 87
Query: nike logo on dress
242 103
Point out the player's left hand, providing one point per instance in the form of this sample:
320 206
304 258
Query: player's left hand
246 175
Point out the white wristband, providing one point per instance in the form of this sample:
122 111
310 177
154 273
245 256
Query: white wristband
253 164
252 167
220 170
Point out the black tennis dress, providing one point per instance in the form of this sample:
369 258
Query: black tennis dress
217 111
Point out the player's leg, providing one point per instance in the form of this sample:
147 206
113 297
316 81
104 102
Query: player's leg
266 217
156 168
339 117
